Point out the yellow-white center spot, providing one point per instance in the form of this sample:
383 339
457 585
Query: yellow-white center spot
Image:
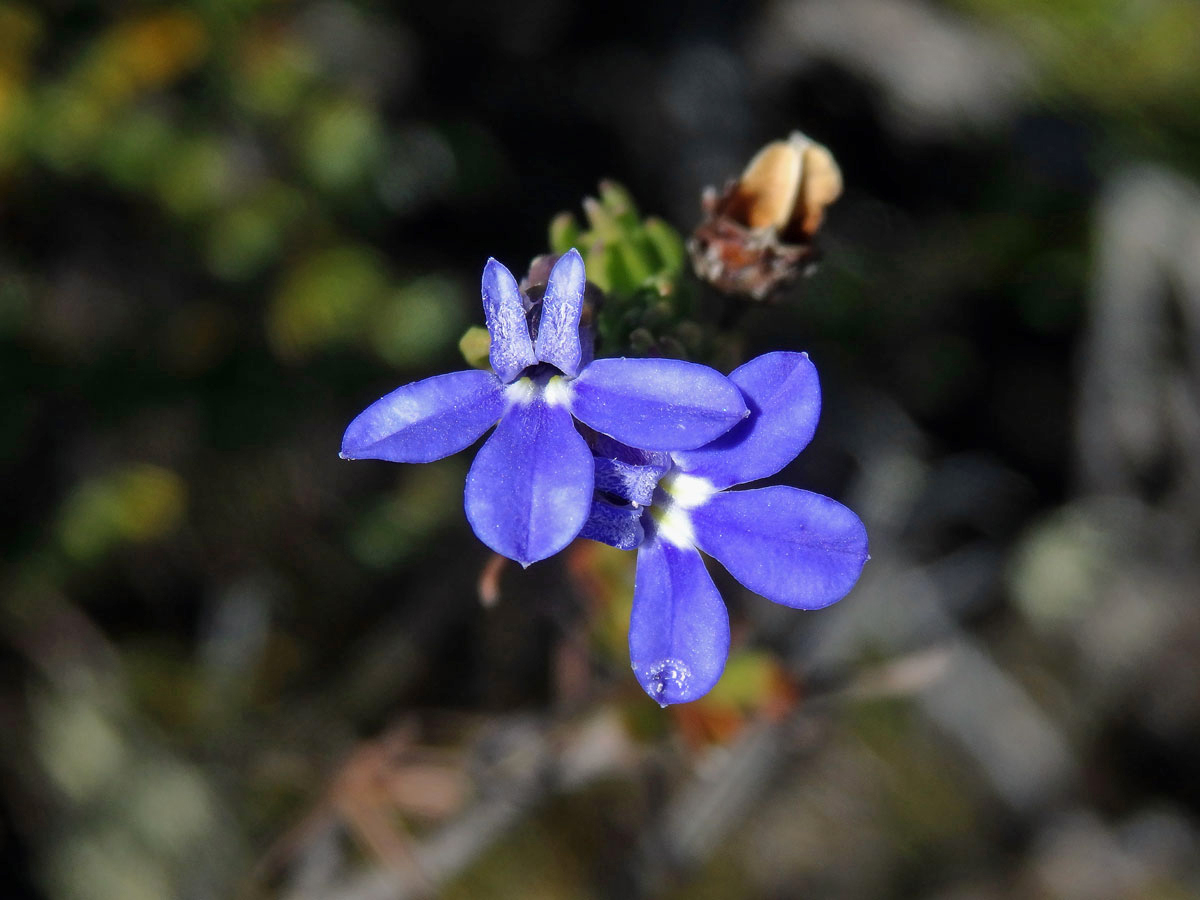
687 491
558 392
683 492
674 526
555 392
521 392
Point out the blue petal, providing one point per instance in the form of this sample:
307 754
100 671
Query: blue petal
793 547
530 488
511 350
604 446
617 526
587 346
562 304
426 420
657 404
679 630
784 397
627 481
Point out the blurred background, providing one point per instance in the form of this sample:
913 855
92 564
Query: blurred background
236 666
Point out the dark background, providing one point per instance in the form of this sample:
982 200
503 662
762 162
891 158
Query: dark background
235 665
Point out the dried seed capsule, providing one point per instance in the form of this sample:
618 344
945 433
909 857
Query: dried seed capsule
758 233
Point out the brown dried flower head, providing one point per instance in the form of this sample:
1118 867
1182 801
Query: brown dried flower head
758 234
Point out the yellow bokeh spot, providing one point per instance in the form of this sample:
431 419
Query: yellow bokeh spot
20 30
146 53
417 322
138 503
476 346
195 178
275 72
324 300
341 142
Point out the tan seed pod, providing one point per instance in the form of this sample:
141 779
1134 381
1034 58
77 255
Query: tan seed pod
787 185
758 233
765 195
820 185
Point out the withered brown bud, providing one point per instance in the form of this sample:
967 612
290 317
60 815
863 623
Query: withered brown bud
758 234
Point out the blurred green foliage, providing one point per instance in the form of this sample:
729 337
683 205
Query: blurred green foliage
1116 54
195 202
138 503
1134 63
115 112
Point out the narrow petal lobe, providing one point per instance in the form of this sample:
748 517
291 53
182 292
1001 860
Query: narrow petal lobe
794 547
426 420
562 304
657 404
627 481
679 629
617 526
530 488
511 350
784 397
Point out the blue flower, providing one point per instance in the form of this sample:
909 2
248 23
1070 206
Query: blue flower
794 547
529 490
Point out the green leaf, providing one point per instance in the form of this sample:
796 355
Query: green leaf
667 243
618 203
564 232
635 267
